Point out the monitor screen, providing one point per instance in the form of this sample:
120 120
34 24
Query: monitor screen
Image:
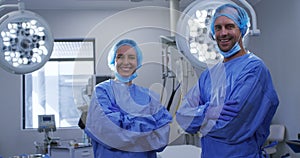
99 79
46 123
47 118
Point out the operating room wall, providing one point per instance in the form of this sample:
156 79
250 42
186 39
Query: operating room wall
278 45
81 24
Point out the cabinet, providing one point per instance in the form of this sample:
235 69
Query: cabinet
72 152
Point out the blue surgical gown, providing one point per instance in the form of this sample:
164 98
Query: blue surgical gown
126 121
248 81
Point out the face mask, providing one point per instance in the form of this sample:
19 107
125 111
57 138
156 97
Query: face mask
236 48
125 79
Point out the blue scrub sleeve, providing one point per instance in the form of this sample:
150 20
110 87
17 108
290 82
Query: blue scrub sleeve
257 103
144 123
191 113
108 124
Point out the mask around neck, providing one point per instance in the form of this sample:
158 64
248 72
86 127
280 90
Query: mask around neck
125 79
235 49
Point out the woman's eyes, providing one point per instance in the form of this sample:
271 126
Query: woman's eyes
123 56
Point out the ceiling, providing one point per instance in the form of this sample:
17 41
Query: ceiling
93 4
98 4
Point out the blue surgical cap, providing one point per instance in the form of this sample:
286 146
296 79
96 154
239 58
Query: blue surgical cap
235 13
113 52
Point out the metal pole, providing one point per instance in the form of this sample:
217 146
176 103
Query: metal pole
174 15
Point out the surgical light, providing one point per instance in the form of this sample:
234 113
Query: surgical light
193 34
26 42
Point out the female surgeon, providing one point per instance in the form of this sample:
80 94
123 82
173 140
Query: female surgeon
126 120
234 101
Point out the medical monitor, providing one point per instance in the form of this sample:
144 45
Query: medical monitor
46 123
99 78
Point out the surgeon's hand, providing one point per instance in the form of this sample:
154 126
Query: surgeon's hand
229 111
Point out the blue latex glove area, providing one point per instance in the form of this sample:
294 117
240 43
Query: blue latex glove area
228 112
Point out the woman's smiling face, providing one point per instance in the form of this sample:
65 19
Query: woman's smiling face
126 61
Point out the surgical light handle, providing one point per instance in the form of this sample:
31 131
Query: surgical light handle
20 5
254 31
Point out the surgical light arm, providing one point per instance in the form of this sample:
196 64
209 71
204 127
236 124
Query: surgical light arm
254 31
20 5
